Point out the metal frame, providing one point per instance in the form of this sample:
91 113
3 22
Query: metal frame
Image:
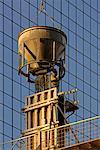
70 144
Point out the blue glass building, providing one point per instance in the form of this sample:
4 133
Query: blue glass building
79 19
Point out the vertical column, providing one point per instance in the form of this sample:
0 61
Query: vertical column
55 135
49 107
54 114
26 114
42 116
54 119
35 113
43 123
29 115
35 141
42 110
39 141
28 124
51 132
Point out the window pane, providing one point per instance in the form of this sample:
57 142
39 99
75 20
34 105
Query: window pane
7 86
7 116
7 56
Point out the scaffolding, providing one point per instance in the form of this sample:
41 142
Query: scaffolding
84 134
42 61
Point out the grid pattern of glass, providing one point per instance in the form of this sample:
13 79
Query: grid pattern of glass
79 19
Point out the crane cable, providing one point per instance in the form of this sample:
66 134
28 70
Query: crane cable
42 9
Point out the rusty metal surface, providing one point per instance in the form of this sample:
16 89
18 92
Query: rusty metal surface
36 44
43 27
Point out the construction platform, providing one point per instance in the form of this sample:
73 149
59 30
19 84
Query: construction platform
81 135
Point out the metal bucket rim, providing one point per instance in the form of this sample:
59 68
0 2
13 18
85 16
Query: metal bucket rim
43 27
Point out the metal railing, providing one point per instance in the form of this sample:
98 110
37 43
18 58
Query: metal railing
58 137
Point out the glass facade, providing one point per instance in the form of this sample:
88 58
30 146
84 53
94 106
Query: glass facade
79 19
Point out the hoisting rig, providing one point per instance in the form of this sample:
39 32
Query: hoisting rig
42 60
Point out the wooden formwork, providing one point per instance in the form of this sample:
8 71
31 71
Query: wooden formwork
41 114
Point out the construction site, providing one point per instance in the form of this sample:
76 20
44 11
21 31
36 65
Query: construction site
42 54
47 111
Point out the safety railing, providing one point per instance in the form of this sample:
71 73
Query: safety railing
60 137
